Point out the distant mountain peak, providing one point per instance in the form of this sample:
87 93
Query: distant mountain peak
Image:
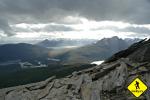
64 42
138 52
100 50
115 37
46 41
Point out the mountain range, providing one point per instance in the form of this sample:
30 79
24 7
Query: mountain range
100 50
65 42
108 81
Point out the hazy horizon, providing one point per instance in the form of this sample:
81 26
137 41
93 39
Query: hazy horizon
35 41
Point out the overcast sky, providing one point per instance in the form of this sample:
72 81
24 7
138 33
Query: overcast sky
33 20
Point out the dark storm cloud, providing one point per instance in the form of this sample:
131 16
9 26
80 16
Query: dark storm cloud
53 10
139 30
45 11
4 26
47 28
52 28
130 28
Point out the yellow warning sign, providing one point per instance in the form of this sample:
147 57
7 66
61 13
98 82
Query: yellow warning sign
137 87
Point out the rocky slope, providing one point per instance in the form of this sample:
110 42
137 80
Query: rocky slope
107 81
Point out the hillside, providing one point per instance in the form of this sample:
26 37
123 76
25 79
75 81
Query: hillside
107 81
22 51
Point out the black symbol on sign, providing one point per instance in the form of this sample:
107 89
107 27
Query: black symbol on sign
137 85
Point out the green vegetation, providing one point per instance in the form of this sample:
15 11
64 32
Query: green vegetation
25 76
